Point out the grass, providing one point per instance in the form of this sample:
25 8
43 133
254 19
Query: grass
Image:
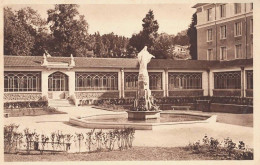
133 154
236 119
32 111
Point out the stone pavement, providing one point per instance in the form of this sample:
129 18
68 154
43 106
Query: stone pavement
162 136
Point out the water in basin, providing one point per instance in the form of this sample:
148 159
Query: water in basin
165 118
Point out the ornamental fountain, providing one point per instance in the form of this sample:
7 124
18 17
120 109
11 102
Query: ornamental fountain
144 106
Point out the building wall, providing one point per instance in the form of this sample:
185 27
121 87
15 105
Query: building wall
202 25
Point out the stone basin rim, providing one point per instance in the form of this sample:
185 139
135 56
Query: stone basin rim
146 126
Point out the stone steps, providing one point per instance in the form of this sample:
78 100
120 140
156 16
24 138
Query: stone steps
60 103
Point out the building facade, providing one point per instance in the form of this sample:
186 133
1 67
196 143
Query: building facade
224 31
224 68
84 79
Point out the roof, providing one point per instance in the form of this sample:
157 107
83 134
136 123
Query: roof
83 62
234 63
198 5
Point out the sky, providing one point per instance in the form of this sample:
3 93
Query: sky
126 19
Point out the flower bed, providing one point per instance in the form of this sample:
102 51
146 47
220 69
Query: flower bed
183 100
226 149
25 104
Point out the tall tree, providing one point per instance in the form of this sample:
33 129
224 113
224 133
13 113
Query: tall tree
150 29
17 38
147 36
69 30
192 34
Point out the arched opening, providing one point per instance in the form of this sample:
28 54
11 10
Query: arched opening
58 85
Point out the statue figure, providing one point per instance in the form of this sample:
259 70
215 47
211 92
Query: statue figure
144 57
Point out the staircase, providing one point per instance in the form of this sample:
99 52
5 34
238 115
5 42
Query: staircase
60 103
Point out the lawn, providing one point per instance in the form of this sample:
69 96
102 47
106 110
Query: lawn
133 154
32 111
235 119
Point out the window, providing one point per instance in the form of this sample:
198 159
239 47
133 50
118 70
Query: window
22 81
155 80
251 6
237 8
209 54
131 81
96 81
251 26
227 80
209 14
181 80
249 78
238 29
58 82
223 53
223 32
238 51
222 11
209 35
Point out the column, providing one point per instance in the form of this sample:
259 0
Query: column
122 83
44 83
205 83
211 83
72 85
166 86
208 84
242 82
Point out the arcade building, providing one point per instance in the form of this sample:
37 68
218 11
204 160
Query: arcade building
81 79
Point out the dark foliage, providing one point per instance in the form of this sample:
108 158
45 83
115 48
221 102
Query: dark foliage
192 35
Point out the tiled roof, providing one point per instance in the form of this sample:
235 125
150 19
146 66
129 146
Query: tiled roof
83 62
233 63
198 4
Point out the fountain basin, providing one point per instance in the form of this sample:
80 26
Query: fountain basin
143 115
120 120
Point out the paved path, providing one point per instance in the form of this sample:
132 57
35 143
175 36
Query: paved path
163 136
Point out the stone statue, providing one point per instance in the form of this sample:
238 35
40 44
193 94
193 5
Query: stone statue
144 57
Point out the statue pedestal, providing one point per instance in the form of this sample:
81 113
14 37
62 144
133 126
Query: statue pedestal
143 115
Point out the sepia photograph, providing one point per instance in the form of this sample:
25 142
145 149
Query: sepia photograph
128 82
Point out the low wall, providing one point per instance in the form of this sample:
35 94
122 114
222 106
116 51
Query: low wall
32 96
227 92
230 108
97 95
186 92
132 94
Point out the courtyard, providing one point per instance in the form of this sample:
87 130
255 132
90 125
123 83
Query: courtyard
227 125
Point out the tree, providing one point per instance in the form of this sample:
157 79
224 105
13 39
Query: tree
17 38
192 34
147 36
150 29
37 27
69 30
162 45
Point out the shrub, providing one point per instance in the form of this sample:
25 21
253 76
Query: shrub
12 138
227 150
25 104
